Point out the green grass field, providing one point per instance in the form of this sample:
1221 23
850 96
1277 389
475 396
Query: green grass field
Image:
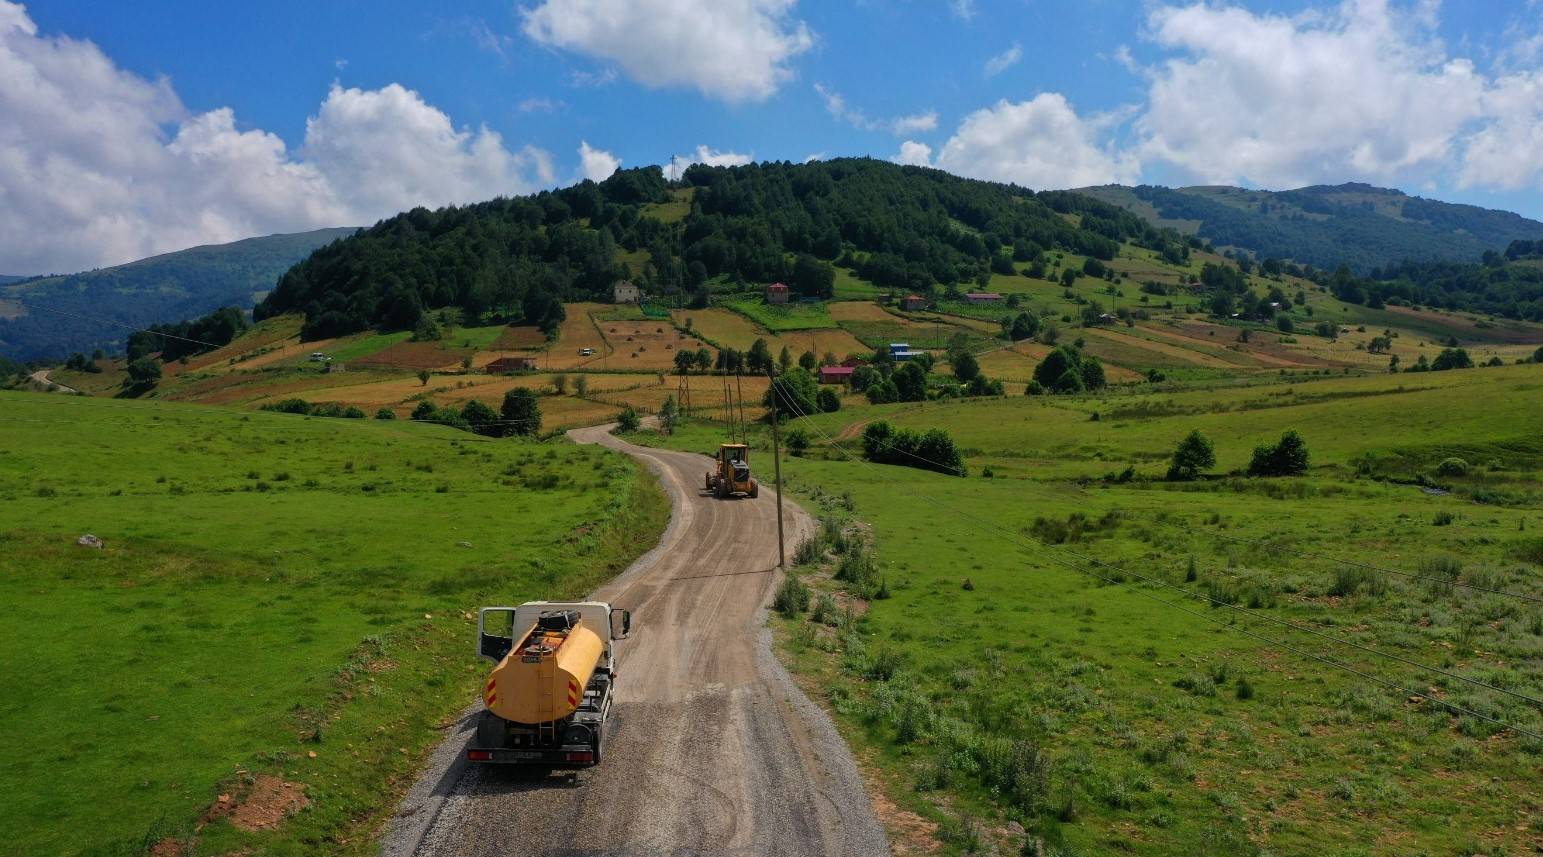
272 587
779 319
991 676
366 345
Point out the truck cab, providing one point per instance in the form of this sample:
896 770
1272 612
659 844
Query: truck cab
575 739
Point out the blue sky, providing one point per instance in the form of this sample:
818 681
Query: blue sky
154 125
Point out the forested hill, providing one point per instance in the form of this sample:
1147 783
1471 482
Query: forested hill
903 228
97 309
1356 224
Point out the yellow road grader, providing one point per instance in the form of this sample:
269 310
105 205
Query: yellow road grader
730 475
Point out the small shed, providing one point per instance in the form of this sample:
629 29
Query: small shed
836 374
624 292
777 293
983 298
505 365
912 303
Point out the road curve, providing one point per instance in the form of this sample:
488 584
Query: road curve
712 749
41 377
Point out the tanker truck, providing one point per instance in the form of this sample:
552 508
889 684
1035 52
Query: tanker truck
547 699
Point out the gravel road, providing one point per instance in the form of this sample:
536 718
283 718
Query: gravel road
712 750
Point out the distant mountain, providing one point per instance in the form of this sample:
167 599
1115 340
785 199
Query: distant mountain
1364 226
53 316
7 279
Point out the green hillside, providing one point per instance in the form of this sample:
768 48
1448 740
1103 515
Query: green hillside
97 309
900 228
1325 225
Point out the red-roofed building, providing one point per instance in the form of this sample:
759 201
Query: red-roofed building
777 293
836 374
912 303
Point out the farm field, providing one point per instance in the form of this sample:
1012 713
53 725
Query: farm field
280 599
732 330
792 316
1127 719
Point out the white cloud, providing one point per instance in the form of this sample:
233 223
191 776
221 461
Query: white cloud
592 79
538 104
1362 91
734 50
596 164
1041 144
814 156
100 166
962 9
1004 60
914 154
387 149
1507 153
704 155
837 106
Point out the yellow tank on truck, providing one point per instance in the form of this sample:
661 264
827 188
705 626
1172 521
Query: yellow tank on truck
543 677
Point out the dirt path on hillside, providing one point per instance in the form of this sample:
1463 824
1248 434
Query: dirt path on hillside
42 378
712 750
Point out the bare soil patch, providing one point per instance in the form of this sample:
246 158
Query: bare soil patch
263 806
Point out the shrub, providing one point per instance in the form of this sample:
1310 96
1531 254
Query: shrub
352 412
424 411
1289 457
482 419
1194 454
807 552
1527 550
1244 689
929 450
1451 358
1441 519
1349 580
798 441
1452 467
1066 370
385 414
628 421
828 400
521 413
792 597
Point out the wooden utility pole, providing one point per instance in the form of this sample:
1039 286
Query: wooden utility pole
782 559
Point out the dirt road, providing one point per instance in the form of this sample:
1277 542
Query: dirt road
712 749
42 378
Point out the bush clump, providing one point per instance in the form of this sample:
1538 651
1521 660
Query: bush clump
930 450
1193 455
1289 457
792 597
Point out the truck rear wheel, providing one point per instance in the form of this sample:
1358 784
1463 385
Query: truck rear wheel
755 490
598 744
492 731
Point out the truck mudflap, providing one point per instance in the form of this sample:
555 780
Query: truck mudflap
571 756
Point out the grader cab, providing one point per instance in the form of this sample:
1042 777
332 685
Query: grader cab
730 475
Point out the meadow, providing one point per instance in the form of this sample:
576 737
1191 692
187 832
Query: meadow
279 598
1100 658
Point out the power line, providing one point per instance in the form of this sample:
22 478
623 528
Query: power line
121 324
1010 536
